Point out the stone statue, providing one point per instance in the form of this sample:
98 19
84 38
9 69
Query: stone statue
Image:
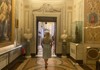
64 37
28 36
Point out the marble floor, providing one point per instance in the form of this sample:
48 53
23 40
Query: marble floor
53 64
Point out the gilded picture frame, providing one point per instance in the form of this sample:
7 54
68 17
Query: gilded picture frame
6 22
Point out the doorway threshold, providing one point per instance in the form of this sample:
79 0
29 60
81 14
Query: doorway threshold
42 56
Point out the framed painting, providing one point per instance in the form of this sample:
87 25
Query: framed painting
6 22
93 18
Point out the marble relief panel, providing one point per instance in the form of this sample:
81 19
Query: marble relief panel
3 57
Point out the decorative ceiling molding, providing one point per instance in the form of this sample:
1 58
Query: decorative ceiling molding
46 8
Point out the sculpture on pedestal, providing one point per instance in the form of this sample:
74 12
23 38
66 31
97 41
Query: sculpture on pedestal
64 37
28 36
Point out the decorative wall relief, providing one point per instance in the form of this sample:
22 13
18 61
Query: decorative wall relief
3 57
6 25
92 34
91 21
92 5
47 8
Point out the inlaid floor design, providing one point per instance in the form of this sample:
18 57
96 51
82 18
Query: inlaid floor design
92 66
53 64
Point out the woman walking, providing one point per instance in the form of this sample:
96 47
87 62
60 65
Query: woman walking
47 45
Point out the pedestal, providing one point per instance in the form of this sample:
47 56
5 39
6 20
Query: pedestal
64 49
53 55
64 56
28 56
28 50
76 51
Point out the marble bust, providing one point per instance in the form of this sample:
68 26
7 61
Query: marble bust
28 35
64 36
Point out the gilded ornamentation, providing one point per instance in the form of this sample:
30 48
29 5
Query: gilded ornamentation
92 23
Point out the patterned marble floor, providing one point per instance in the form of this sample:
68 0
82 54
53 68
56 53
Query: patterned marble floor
92 66
53 64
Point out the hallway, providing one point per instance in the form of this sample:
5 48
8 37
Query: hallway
23 24
53 64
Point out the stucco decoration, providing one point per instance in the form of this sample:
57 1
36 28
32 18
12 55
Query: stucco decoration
92 21
47 8
92 5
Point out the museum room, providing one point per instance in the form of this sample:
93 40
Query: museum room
49 35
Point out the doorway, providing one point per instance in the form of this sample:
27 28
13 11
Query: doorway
45 24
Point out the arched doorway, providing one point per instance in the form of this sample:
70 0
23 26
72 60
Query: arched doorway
42 24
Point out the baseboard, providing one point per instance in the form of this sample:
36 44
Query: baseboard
76 61
59 55
80 62
85 67
33 55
